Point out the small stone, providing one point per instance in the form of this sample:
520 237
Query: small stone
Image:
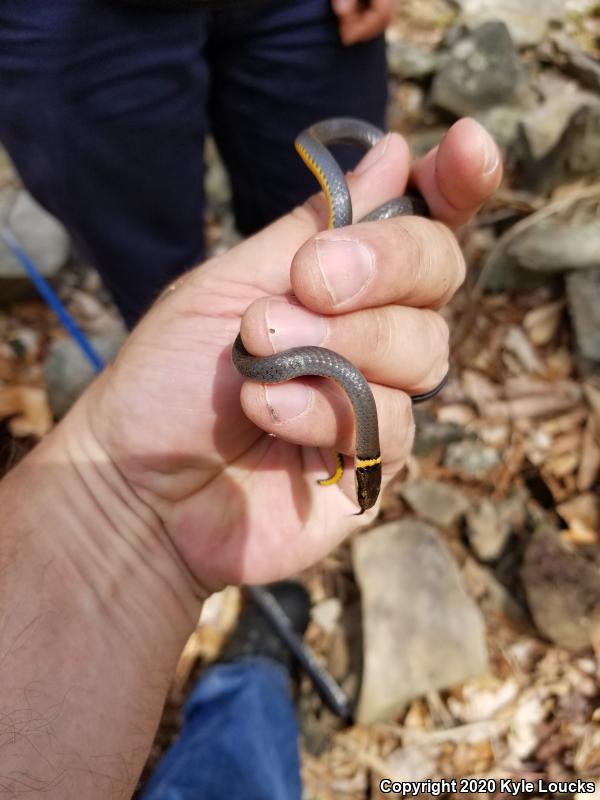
472 459
527 21
435 501
562 584
41 236
422 631
502 123
68 371
583 291
483 70
488 533
557 248
407 61
327 614
430 433
576 154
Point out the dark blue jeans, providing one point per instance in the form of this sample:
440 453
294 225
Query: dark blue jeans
239 739
104 108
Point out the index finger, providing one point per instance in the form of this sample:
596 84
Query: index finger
403 261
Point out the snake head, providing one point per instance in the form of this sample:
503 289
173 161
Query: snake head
367 480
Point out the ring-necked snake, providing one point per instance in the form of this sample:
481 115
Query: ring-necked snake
312 145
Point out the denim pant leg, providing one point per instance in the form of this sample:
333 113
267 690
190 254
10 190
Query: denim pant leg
103 111
278 68
239 739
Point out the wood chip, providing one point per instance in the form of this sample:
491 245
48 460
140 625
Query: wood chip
479 389
516 342
592 395
582 515
589 465
28 408
542 323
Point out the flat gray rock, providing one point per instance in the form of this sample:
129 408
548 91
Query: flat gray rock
471 459
68 372
482 70
487 536
422 631
41 235
557 248
576 153
407 61
527 20
562 584
583 292
435 501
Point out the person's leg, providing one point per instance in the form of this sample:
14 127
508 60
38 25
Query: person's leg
239 738
102 109
278 67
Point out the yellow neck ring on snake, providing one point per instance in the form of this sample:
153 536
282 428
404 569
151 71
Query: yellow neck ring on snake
312 145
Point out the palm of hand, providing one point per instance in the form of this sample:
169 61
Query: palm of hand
230 496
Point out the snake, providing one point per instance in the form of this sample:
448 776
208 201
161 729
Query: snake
312 145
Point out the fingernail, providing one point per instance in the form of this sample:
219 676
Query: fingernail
287 401
292 326
373 156
346 266
491 154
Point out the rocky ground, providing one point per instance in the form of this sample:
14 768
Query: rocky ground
466 622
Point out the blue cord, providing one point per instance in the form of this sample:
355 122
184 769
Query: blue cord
53 300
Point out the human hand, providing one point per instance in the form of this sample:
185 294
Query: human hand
234 484
360 22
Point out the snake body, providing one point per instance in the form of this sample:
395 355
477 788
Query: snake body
312 145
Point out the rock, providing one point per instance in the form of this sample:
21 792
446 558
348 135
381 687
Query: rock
407 61
422 631
421 142
527 21
435 501
490 525
483 70
327 614
557 248
546 123
487 534
579 64
471 459
576 154
430 433
583 292
42 237
503 123
562 585
68 372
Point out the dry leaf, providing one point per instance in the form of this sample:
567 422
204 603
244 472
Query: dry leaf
562 465
542 323
456 414
479 389
29 409
516 342
582 515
